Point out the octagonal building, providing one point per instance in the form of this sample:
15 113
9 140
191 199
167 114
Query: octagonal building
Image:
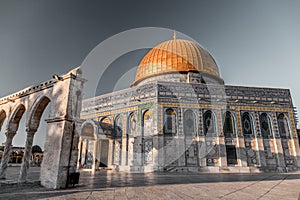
178 115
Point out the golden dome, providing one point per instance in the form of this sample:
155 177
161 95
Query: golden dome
176 56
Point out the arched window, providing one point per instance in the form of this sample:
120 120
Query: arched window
170 121
147 123
87 130
189 123
228 127
209 123
106 120
265 125
132 124
118 126
247 125
283 126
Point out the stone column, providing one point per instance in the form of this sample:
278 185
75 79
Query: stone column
241 153
79 154
6 154
26 156
222 152
94 167
261 152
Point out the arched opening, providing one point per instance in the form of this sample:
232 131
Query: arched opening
130 134
189 123
117 142
247 125
170 130
284 132
2 118
189 127
265 125
283 126
210 131
14 122
132 124
209 123
247 128
228 126
266 133
106 120
147 124
38 111
229 132
87 154
35 136
12 128
2 135
170 125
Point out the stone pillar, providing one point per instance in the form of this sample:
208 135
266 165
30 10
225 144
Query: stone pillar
26 156
6 154
94 167
297 151
130 151
110 153
123 152
80 154
202 151
261 151
222 152
241 153
279 153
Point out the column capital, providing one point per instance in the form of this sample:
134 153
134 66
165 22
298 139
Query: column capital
10 133
30 130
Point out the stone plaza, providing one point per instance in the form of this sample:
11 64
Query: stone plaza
112 185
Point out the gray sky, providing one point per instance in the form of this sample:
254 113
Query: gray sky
255 43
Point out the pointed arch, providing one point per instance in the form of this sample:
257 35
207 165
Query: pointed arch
265 125
170 122
89 128
2 118
14 121
247 124
189 123
283 126
132 124
107 120
209 123
36 113
118 125
147 122
228 126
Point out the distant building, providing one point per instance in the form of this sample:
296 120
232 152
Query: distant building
17 153
15 156
179 116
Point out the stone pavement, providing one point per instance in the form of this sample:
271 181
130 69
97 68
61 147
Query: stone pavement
109 185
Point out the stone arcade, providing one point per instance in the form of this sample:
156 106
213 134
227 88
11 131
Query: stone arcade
179 116
65 98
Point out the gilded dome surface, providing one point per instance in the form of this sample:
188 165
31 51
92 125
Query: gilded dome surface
176 56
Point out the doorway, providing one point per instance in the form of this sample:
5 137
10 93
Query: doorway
231 155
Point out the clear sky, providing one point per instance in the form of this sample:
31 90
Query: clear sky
255 43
